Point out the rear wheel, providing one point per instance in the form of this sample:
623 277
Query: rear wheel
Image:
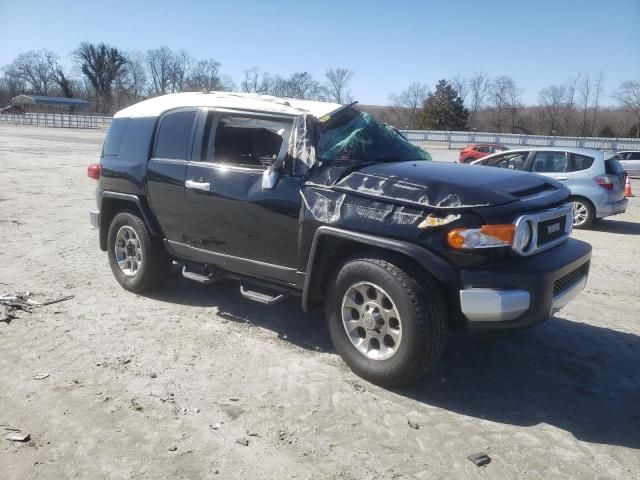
583 212
386 319
138 261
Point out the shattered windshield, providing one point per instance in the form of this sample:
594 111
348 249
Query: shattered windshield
352 135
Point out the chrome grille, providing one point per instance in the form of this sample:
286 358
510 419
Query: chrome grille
548 229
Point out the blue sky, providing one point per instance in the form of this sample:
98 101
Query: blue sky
388 44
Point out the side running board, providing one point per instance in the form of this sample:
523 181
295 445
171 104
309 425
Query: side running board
261 297
206 279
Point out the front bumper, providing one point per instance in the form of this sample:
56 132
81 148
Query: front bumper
94 217
525 291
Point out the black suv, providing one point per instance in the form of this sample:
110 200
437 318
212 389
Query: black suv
321 201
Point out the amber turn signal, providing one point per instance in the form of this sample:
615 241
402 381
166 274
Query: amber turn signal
487 236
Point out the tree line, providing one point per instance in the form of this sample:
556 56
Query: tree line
111 79
480 103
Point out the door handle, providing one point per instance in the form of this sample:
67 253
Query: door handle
563 179
204 186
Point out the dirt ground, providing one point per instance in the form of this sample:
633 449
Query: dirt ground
162 386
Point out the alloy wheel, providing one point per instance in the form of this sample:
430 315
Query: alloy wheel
371 320
128 251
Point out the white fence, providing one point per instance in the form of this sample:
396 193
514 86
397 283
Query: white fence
60 120
460 139
452 139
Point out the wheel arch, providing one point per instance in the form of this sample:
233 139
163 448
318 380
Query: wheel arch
331 246
111 203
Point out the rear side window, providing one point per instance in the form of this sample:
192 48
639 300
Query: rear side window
580 162
174 135
113 142
613 167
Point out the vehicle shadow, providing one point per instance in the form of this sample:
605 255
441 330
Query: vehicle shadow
616 226
577 377
304 329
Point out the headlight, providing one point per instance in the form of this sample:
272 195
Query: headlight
523 235
488 236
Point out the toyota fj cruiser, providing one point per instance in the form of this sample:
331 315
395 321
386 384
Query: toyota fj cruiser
321 201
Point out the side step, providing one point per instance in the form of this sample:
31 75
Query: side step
260 297
196 277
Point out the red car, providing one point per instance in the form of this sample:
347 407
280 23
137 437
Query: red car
475 151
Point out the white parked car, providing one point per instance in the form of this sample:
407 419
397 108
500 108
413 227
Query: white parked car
596 179
630 161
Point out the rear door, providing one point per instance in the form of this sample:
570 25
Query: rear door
167 168
554 164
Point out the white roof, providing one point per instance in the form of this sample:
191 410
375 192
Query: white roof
246 101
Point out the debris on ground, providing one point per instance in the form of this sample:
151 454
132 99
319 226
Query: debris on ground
480 459
243 441
14 434
22 302
413 424
173 448
40 376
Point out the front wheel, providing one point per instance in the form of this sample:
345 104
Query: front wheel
138 261
387 320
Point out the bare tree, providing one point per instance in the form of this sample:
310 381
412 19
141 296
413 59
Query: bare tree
552 100
461 84
571 88
160 64
478 85
337 84
101 65
584 90
498 95
180 64
513 95
251 81
205 75
628 96
34 69
412 98
302 85
598 91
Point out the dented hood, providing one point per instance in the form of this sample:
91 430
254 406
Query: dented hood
441 185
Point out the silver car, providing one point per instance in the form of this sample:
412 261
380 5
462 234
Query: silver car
630 161
596 179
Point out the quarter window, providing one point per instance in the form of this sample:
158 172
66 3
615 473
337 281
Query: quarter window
581 162
115 136
549 162
174 135
246 141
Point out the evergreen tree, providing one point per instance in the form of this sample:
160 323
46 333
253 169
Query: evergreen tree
443 109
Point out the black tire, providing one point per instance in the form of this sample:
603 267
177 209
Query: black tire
420 305
155 264
588 208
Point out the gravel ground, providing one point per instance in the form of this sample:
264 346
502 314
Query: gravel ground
164 385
